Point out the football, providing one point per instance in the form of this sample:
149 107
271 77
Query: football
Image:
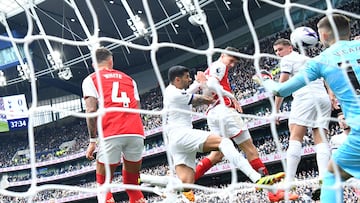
304 36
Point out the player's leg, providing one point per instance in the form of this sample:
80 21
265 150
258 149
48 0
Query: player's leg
247 146
100 180
252 155
183 146
228 123
108 151
215 156
234 128
132 159
293 153
347 160
328 194
321 142
322 151
225 145
206 163
302 116
186 175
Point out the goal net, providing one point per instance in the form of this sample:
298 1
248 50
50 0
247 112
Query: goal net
208 30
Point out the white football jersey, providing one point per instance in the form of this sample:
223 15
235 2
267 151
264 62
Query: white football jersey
181 99
292 64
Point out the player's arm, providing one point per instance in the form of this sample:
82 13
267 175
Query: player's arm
290 86
214 85
198 84
91 107
199 99
91 102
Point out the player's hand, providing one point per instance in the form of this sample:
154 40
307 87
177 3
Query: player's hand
90 151
201 99
200 77
207 99
277 120
237 106
334 102
264 75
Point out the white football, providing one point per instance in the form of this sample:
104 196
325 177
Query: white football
305 36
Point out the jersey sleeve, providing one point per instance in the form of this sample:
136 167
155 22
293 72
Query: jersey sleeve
286 66
217 70
136 92
180 96
215 86
88 88
194 87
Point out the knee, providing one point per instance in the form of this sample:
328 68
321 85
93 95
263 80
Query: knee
252 154
215 157
332 167
250 151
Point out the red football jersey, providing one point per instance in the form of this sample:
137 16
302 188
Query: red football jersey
220 72
118 90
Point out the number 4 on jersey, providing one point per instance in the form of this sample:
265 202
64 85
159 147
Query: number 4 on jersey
123 96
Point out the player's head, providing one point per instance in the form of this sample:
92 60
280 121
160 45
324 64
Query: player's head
342 121
104 58
179 76
228 59
282 47
327 32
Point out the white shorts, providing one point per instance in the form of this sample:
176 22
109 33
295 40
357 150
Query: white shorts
131 147
227 122
303 112
185 143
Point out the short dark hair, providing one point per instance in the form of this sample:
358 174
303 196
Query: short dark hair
102 54
342 24
177 71
233 49
282 41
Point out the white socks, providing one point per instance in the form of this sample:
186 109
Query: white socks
293 156
322 158
238 160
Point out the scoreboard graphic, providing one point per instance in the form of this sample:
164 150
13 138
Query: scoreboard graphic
13 113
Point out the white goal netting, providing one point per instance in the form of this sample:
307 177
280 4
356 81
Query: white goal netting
255 35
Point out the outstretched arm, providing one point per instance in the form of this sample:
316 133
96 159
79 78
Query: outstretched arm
199 99
214 85
293 84
198 84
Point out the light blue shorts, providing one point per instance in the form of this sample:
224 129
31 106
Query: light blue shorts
348 154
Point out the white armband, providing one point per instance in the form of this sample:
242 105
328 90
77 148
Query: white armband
93 139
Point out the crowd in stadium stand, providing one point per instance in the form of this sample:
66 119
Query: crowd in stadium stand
49 138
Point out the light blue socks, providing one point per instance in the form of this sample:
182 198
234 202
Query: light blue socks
328 193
